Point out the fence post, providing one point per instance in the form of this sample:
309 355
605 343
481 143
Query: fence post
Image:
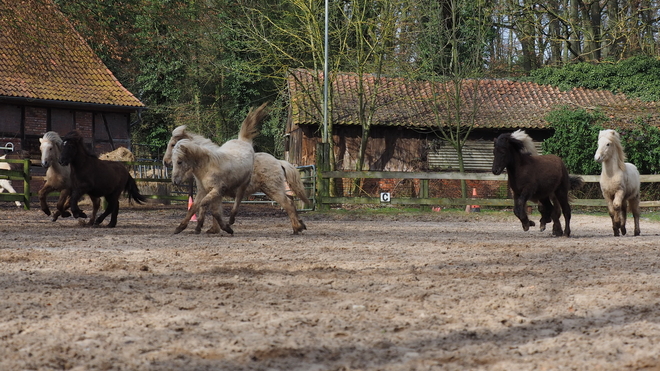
323 165
26 184
424 192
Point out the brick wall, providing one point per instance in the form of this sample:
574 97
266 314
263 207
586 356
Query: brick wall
84 124
36 119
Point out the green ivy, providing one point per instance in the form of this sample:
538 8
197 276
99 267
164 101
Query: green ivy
637 77
575 140
642 147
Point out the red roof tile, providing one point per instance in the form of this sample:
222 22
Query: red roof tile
43 57
501 103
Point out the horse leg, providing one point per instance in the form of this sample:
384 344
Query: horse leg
63 203
614 208
75 210
546 208
105 213
213 201
624 216
194 208
557 210
43 193
634 207
6 185
96 205
563 202
115 210
240 192
279 195
521 213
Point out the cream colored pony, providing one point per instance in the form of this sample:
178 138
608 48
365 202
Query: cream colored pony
58 178
269 176
619 181
218 170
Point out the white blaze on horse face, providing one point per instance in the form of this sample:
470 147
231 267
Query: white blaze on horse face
46 152
603 149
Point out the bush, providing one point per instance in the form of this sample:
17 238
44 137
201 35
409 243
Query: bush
575 139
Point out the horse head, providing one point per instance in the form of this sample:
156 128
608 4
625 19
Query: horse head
501 153
609 147
183 162
177 134
50 148
72 143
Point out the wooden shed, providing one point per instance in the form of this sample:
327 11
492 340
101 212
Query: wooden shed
403 136
50 79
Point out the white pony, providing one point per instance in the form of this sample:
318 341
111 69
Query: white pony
5 184
218 170
619 181
58 178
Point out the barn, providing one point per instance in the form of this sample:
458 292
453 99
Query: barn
50 79
404 133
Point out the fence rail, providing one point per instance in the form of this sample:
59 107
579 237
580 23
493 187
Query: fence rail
325 199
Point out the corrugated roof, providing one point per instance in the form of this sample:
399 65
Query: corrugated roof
500 103
43 57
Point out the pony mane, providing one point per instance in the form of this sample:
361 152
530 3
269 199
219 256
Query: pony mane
528 146
53 137
77 137
190 151
615 139
181 133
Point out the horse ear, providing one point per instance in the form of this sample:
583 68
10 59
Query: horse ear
41 140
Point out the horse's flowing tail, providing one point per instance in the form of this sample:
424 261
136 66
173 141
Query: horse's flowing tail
249 129
576 182
292 176
133 191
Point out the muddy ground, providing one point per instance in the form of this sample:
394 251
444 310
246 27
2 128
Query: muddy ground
434 291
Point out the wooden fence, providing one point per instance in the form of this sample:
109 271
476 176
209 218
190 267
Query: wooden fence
324 199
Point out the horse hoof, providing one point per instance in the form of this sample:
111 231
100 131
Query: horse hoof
228 230
531 223
623 231
46 211
179 229
65 214
212 231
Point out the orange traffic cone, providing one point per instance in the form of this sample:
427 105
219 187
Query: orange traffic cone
475 208
190 203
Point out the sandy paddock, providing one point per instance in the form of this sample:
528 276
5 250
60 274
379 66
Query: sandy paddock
434 291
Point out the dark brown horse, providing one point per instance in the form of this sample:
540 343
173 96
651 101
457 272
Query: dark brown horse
542 179
96 178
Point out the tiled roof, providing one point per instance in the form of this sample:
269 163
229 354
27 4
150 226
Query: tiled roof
43 57
501 103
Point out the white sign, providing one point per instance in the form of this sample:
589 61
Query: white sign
385 197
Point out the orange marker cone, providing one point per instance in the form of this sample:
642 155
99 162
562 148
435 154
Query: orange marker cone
190 203
474 208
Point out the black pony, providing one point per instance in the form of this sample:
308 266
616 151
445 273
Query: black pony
96 178
542 179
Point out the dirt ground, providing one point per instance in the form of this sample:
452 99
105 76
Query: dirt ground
434 291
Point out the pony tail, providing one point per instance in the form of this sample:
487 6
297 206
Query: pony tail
134 192
249 129
292 176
